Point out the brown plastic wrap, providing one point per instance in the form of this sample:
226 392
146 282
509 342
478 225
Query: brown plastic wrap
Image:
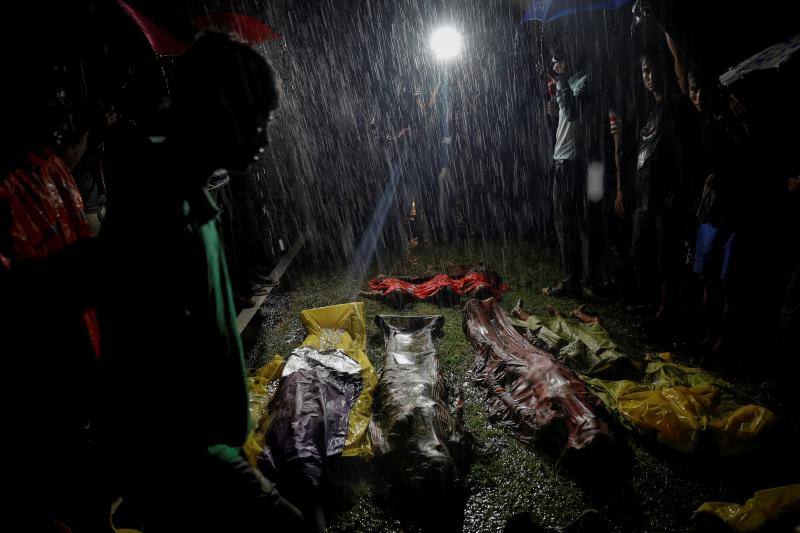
537 398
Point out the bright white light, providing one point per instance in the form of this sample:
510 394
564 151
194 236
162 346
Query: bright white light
446 42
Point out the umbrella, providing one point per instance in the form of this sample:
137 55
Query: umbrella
537 11
251 29
548 10
246 27
161 41
775 58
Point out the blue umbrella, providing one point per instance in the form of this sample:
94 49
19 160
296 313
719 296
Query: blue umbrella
548 10
537 11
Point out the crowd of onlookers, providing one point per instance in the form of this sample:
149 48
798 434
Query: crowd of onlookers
707 186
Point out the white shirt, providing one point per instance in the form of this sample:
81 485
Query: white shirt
565 133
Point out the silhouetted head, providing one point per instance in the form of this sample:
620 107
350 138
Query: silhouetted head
702 92
224 94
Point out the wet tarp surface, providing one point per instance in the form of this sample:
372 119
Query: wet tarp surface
765 508
528 390
686 408
331 360
412 405
309 414
584 346
442 288
344 327
262 386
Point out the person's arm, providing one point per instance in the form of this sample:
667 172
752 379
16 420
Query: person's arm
616 135
569 99
552 109
552 106
679 64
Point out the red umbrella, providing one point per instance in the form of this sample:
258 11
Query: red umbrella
248 28
161 41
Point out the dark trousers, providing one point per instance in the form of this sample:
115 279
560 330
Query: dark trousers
656 251
569 216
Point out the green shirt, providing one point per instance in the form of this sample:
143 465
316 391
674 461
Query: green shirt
179 377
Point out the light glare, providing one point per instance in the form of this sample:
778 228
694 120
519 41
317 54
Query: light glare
446 42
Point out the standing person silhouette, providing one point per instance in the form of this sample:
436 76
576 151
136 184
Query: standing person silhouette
177 414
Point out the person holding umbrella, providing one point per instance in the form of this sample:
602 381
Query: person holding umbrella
661 190
569 185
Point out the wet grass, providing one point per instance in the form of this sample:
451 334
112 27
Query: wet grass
507 477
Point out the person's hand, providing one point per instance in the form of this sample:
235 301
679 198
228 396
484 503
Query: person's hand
110 117
736 106
552 108
793 184
552 86
619 206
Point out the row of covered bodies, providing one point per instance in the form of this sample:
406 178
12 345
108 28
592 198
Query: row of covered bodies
325 402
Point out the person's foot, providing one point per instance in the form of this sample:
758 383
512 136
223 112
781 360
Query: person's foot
581 314
561 291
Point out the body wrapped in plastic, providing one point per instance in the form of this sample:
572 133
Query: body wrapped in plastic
529 391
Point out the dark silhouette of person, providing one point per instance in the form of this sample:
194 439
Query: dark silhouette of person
177 414
659 218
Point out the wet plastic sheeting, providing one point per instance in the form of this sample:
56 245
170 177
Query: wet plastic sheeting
685 408
442 289
344 327
587 348
262 386
412 404
336 341
528 390
309 415
766 508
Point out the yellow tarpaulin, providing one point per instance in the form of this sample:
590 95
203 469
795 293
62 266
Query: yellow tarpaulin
344 327
687 408
765 506
261 385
